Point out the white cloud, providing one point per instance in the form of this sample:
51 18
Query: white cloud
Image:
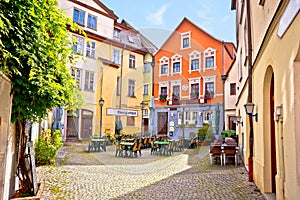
157 17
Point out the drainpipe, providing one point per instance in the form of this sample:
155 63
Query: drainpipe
223 76
251 139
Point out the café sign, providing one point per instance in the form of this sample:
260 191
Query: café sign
121 112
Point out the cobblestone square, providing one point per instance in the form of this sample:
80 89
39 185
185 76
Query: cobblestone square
184 175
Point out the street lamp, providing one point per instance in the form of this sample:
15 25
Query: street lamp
142 118
101 102
238 120
249 108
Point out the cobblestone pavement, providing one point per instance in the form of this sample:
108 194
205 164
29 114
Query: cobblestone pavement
184 175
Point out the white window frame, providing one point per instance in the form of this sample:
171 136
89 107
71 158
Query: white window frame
76 73
209 52
79 43
89 81
175 59
208 116
183 36
164 61
194 81
193 56
89 47
209 79
116 56
163 84
88 22
176 83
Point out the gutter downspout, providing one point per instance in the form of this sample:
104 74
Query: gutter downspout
223 76
250 67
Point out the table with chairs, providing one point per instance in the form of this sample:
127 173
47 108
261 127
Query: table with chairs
220 151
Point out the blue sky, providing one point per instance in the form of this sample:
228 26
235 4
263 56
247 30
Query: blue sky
156 19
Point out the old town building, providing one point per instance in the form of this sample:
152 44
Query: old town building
268 78
188 87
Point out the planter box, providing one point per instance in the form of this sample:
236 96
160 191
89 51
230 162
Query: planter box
36 197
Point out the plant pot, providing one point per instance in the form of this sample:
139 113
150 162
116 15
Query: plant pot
36 197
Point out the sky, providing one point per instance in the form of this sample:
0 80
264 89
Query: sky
157 19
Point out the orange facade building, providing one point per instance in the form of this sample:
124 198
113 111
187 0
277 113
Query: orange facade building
188 86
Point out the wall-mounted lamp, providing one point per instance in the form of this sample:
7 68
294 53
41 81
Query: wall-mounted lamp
249 107
238 120
278 113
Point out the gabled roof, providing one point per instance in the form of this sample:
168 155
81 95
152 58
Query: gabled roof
187 20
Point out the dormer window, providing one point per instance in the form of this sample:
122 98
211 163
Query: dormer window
130 39
116 33
186 40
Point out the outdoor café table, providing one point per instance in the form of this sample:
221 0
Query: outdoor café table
128 146
162 146
96 143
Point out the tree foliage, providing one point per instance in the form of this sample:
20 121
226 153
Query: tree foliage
36 53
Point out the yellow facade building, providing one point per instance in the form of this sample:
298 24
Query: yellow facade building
268 37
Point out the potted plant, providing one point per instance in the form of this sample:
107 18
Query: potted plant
162 97
208 94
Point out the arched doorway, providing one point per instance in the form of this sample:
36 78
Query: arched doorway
270 163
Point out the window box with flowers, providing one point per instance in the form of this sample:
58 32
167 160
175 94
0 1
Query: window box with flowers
162 97
208 95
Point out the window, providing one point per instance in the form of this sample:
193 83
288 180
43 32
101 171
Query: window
210 62
209 90
91 49
145 112
176 67
78 45
131 61
164 91
189 117
207 116
185 40
164 69
118 86
76 73
147 68
176 90
116 56
116 33
89 81
78 16
131 88
146 89
92 22
130 120
195 91
232 89
195 64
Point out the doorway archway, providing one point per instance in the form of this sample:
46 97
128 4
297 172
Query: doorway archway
269 133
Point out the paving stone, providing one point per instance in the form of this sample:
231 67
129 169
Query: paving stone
184 175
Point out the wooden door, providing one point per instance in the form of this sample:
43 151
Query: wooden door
162 123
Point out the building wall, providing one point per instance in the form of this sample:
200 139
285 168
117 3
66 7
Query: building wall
7 141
